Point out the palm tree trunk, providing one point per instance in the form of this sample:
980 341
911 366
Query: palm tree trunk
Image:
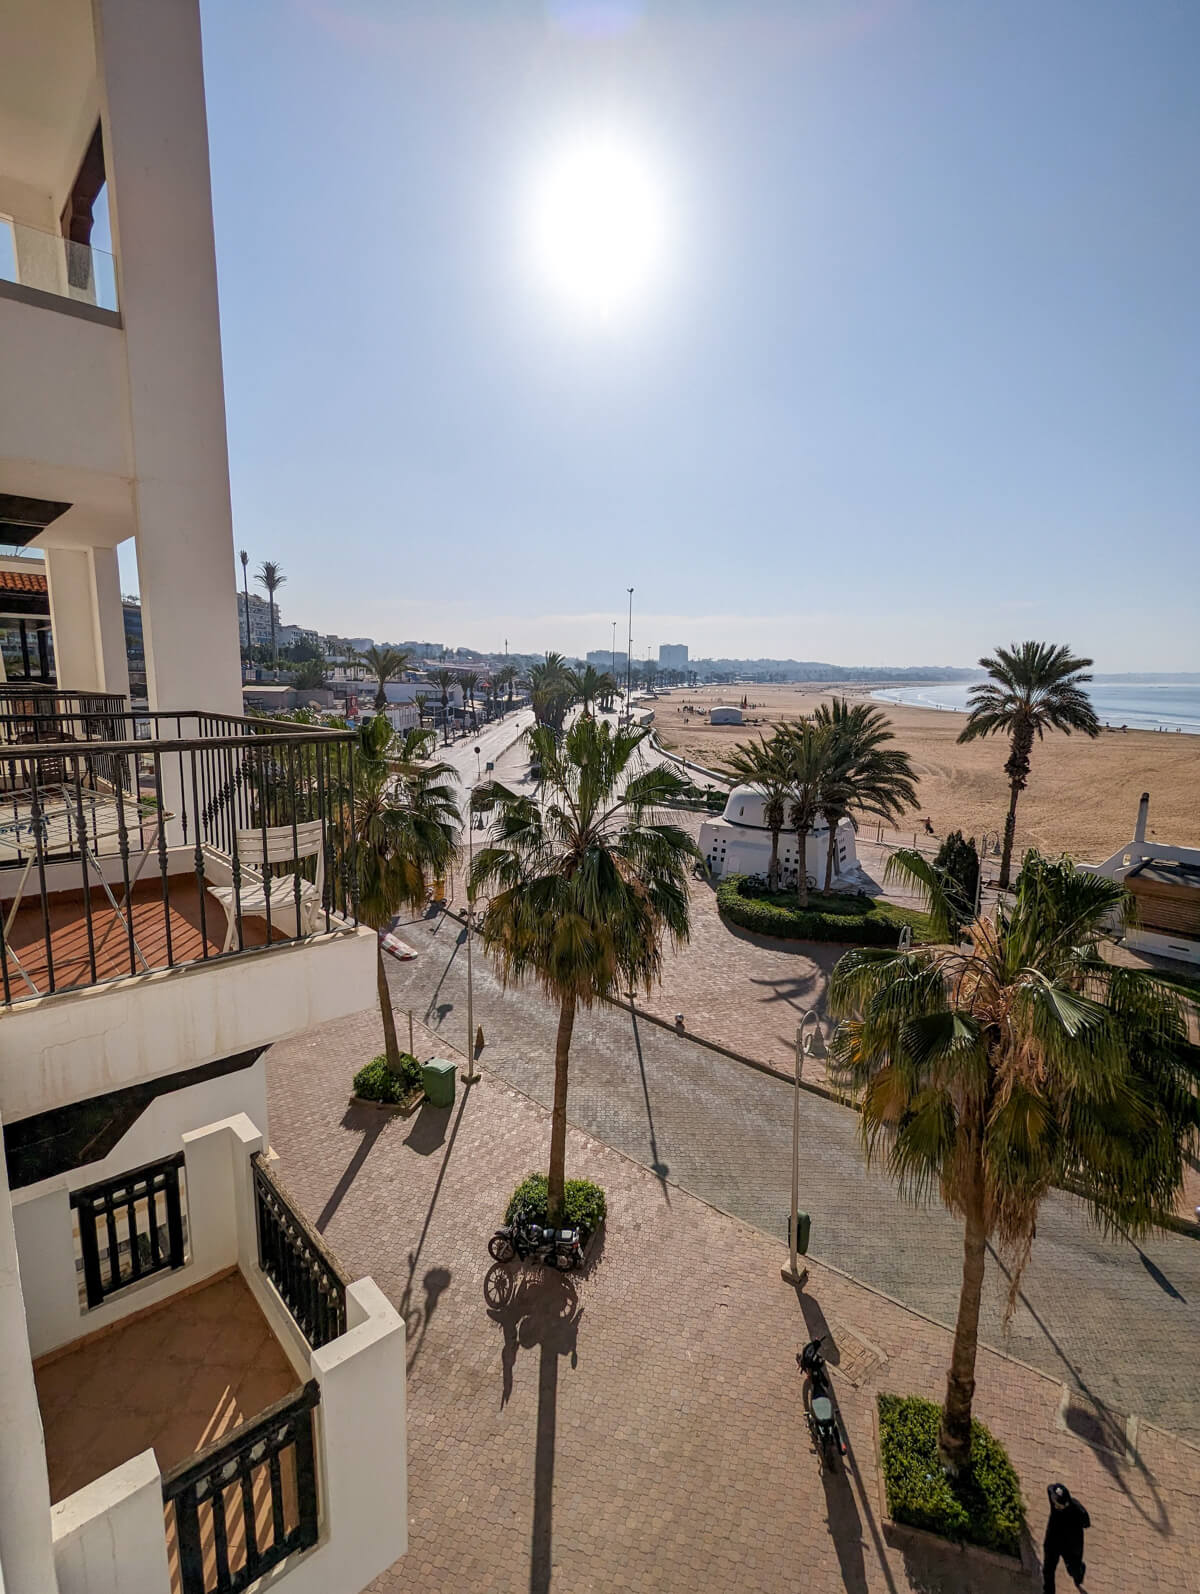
773 866
954 1440
557 1177
1010 831
802 866
830 854
391 1046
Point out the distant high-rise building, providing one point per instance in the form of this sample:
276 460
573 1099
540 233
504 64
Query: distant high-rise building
606 659
673 656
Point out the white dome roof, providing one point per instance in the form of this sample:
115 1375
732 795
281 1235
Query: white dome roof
745 806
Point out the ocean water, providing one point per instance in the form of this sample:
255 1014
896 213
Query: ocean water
1171 706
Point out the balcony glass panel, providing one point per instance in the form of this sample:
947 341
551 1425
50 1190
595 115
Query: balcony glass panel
54 264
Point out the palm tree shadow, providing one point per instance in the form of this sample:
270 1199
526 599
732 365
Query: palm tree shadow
372 1123
1113 1464
537 1307
657 1166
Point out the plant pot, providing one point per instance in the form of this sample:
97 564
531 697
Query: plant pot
404 1108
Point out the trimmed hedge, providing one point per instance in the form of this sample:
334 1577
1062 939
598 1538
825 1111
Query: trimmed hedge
584 1204
375 1082
862 921
984 1508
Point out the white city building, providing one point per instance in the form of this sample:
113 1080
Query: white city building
739 842
173 900
673 656
1164 885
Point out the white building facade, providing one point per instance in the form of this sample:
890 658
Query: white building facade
739 842
172 896
673 656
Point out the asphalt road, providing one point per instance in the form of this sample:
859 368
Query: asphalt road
1117 1320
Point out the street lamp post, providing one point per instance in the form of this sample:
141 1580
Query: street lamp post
472 1074
629 665
812 1046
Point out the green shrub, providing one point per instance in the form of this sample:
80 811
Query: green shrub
375 1082
584 1205
864 921
984 1508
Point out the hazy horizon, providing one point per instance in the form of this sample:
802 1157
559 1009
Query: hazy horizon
857 330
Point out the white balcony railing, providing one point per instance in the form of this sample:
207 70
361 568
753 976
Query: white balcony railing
53 264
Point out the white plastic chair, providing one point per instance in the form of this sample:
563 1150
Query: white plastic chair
277 844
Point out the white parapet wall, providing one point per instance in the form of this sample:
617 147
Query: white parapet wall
59 1049
109 1538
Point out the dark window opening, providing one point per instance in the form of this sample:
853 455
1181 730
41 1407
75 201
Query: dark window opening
78 214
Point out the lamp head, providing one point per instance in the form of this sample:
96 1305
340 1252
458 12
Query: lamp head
814 1044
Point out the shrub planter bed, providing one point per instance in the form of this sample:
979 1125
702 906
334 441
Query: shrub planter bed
376 1086
859 921
983 1519
584 1207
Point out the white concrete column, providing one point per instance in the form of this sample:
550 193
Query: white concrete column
25 1540
109 1536
86 617
156 153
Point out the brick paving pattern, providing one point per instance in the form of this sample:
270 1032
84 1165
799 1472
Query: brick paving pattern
1117 1320
640 1427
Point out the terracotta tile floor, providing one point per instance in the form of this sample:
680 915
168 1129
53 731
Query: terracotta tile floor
175 1379
69 938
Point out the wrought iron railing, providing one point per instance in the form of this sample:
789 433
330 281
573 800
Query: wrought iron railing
130 1227
238 1508
142 841
298 1263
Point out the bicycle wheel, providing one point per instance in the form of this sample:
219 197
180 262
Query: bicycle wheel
501 1247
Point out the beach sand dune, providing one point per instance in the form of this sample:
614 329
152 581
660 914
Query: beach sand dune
1082 795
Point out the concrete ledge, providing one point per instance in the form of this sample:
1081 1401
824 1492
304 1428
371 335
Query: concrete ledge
21 293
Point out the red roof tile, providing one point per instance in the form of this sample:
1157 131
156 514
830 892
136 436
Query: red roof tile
20 581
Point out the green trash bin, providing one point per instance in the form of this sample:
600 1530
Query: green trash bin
803 1232
437 1078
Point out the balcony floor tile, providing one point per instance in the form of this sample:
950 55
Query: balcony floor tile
176 1379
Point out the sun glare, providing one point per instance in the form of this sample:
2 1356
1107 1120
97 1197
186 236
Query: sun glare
598 226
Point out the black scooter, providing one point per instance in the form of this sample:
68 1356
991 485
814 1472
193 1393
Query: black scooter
561 1248
818 1411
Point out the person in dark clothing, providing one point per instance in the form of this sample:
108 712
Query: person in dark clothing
1064 1537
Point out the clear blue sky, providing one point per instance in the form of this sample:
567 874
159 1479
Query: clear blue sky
920 374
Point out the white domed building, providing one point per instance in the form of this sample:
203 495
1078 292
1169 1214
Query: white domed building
739 842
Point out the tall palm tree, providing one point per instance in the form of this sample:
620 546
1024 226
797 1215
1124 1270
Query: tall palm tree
270 575
245 558
991 1071
809 751
469 680
584 885
764 764
552 690
385 664
1037 687
421 699
865 777
445 681
405 829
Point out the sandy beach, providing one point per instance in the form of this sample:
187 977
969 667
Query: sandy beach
1082 795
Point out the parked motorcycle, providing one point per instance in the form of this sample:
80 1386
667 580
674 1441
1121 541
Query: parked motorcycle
819 1412
560 1248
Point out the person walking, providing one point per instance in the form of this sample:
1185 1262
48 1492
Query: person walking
1064 1537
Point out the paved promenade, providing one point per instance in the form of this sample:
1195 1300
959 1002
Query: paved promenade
1114 1319
640 1428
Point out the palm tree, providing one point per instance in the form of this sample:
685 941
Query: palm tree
1038 686
764 765
585 885
808 752
990 1072
245 558
552 691
469 680
865 777
405 828
271 576
587 684
445 681
385 664
421 699
505 676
